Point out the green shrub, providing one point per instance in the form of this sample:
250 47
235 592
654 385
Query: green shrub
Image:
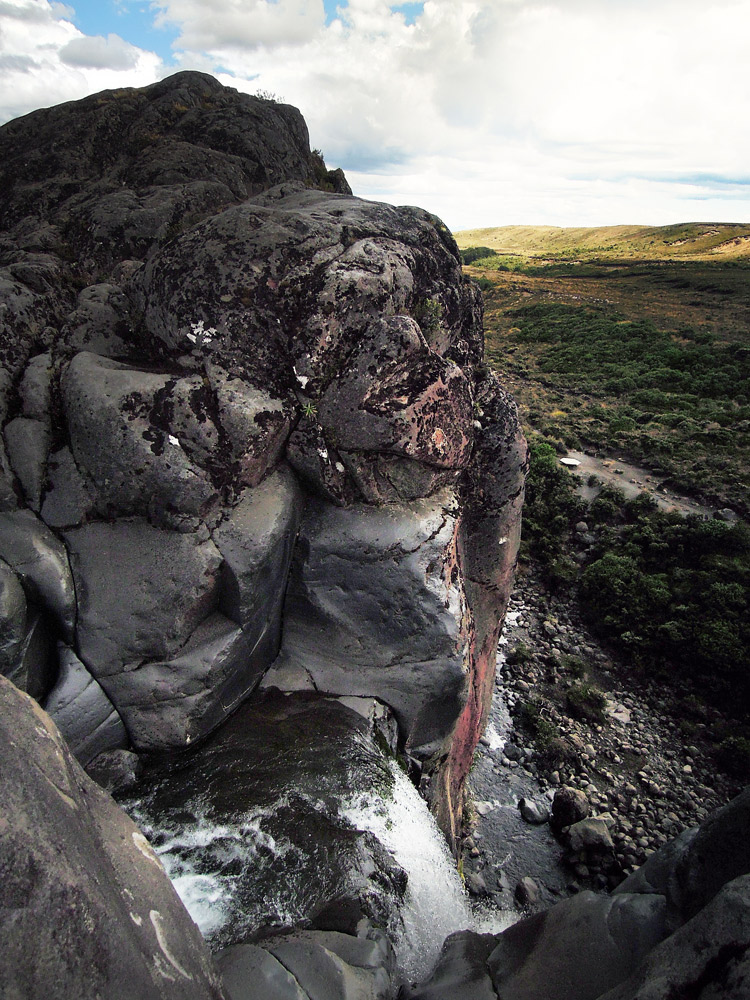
519 654
733 755
585 702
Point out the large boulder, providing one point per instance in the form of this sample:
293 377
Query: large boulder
86 909
578 949
691 869
706 959
375 608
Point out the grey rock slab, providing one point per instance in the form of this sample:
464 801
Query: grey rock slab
36 668
374 609
119 424
708 958
142 592
578 949
13 619
40 560
80 885
34 388
256 540
323 975
82 711
461 971
70 497
172 703
27 443
249 972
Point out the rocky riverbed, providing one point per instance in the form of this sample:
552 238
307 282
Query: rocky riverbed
633 768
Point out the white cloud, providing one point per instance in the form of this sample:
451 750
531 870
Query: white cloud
46 60
98 52
241 23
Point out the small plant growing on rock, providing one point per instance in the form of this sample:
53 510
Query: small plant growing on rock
584 701
519 654
309 410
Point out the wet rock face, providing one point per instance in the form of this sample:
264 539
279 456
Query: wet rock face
80 881
207 343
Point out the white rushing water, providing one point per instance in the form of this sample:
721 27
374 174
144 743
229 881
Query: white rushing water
436 904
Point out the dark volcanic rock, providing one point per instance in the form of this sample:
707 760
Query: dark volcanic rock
82 712
122 171
86 909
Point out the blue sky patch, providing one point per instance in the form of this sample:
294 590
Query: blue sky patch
132 20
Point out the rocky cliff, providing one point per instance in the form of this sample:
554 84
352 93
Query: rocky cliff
247 436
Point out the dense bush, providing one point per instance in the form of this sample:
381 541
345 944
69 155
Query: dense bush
674 593
550 511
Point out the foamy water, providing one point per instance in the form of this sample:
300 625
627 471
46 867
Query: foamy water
436 904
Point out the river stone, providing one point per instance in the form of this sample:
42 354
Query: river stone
372 610
79 884
142 592
532 811
40 560
707 959
569 806
590 835
27 444
578 949
461 971
81 710
249 971
268 792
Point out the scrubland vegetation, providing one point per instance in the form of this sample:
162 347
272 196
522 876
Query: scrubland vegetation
647 360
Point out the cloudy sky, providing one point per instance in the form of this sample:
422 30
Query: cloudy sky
487 112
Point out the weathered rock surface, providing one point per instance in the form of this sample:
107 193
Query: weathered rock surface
81 710
359 619
706 959
310 965
86 909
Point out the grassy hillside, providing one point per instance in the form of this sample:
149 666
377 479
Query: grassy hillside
686 241
647 360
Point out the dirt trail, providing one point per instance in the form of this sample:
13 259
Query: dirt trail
632 480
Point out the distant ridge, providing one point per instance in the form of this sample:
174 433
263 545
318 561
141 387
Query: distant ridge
686 241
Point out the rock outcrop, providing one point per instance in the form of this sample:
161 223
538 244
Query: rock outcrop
223 374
